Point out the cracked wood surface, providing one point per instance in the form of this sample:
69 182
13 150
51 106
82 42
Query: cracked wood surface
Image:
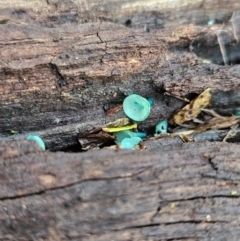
132 13
56 82
175 192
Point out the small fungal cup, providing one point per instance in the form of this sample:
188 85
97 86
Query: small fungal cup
136 107
238 113
161 127
128 134
38 140
130 143
150 100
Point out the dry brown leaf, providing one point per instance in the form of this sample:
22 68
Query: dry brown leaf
192 109
94 139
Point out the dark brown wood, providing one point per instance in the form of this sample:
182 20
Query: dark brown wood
60 81
174 192
133 13
57 82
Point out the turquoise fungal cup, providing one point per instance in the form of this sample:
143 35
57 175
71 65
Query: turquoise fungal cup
136 107
238 113
38 140
161 127
128 134
130 143
150 100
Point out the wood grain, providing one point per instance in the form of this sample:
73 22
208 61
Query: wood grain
57 82
182 192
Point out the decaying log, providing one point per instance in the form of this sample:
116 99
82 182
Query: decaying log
58 77
134 13
54 80
175 192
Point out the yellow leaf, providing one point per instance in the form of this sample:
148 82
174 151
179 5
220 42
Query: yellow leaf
117 129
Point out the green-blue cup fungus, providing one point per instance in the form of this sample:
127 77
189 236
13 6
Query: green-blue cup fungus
130 143
38 140
150 100
128 134
136 107
161 127
238 113
211 22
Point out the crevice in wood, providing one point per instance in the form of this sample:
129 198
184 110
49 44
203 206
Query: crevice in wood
157 211
194 221
212 164
165 203
188 238
99 37
203 197
47 190
60 79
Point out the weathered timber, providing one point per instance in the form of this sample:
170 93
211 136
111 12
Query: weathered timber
58 82
133 13
174 192
54 80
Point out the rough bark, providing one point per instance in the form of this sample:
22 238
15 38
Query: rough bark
133 13
175 192
57 82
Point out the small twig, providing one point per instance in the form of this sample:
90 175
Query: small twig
177 97
212 113
221 41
